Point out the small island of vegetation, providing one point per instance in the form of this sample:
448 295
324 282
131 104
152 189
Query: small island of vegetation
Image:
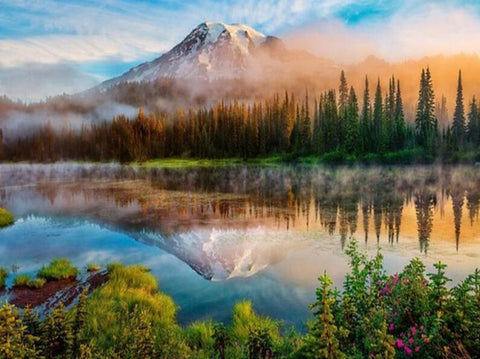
6 218
376 315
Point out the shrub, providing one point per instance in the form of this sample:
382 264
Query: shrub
21 280
199 336
6 218
3 277
59 268
128 305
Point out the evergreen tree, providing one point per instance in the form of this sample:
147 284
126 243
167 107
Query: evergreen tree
343 96
458 126
473 123
57 334
366 120
378 119
79 323
399 128
353 125
305 128
323 337
425 121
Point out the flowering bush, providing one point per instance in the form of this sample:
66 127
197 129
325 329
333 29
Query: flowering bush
405 315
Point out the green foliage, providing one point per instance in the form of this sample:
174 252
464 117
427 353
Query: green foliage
59 268
57 337
36 283
3 277
221 340
199 336
6 218
128 307
15 343
21 280
403 315
323 339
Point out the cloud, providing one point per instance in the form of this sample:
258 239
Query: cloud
56 31
412 32
37 81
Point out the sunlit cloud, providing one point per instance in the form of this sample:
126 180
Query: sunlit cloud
410 33
89 35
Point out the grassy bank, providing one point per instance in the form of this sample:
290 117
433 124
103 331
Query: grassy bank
6 218
404 157
175 163
377 315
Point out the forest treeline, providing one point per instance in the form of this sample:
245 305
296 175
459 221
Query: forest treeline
377 315
337 126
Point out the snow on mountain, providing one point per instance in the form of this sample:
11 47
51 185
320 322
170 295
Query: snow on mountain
211 51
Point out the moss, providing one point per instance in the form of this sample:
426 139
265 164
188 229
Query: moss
6 218
59 268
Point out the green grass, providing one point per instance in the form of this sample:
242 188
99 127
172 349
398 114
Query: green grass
93 267
6 218
37 283
188 163
131 294
3 277
59 268
21 280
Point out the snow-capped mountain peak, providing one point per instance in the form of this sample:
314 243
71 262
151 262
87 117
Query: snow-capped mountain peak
213 50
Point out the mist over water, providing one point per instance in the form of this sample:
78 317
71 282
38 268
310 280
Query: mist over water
257 233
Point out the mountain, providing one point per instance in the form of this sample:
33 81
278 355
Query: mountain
211 51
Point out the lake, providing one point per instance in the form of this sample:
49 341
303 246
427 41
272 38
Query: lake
215 236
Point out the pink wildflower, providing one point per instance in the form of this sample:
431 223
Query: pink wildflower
414 330
417 349
400 344
410 341
408 351
391 327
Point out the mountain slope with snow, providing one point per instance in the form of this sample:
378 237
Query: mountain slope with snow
211 51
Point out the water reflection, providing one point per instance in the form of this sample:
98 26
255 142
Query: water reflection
377 204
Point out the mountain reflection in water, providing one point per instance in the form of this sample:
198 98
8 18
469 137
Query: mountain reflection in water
207 216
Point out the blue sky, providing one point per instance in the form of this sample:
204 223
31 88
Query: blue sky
101 39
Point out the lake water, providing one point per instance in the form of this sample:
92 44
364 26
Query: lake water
214 236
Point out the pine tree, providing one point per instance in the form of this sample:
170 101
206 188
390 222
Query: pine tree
399 118
353 126
425 121
305 128
322 340
473 123
343 96
57 334
458 126
366 119
79 323
378 119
